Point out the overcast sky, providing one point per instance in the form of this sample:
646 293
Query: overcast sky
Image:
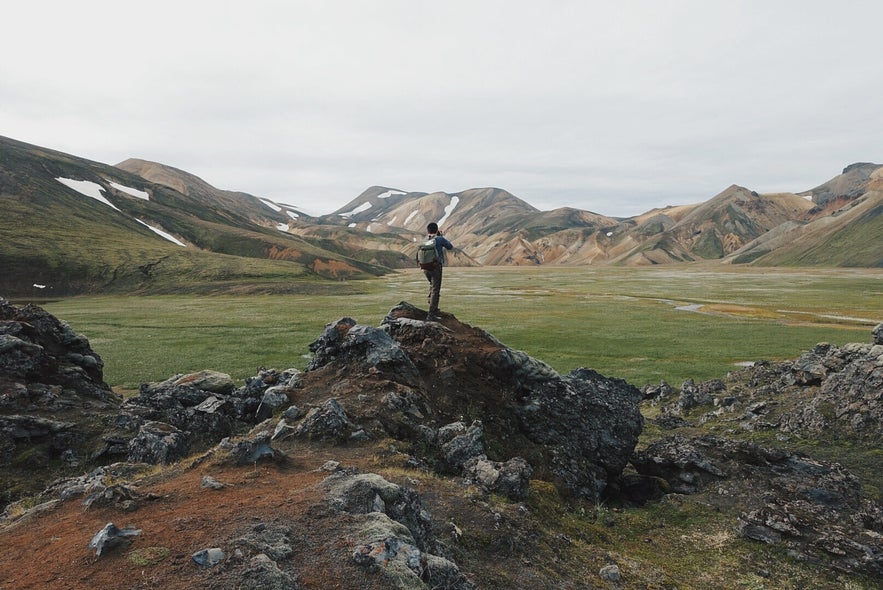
613 107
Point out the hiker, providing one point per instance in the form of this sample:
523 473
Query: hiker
433 269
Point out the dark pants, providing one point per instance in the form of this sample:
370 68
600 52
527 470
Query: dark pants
434 277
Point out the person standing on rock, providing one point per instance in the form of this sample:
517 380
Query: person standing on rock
433 269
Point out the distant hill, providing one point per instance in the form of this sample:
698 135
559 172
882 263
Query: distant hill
493 227
71 225
853 182
260 211
851 235
715 228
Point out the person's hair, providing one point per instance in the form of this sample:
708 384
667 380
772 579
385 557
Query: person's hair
432 228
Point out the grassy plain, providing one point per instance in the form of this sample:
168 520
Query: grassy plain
640 324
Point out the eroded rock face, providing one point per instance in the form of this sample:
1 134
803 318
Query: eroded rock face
52 397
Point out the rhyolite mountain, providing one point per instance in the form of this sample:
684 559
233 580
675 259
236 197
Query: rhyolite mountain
71 225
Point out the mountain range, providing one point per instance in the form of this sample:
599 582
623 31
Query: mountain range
71 225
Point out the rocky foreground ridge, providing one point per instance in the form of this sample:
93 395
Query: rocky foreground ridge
270 485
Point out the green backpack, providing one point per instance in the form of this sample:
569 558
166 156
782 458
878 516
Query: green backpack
427 255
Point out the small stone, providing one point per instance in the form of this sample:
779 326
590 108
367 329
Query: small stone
292 413
111 536
208 557
610 573
209 482
360 435
331 466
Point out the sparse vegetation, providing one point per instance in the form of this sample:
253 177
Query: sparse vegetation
148 556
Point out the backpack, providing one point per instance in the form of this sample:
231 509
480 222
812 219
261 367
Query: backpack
427 255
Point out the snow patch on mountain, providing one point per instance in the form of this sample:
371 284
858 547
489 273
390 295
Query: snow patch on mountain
411 216
390 193
130 191
449 209
271 205
161 233
88 189
363 207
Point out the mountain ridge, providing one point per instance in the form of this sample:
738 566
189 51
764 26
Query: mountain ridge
82 245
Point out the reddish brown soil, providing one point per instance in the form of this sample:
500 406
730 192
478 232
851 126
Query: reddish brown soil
49 549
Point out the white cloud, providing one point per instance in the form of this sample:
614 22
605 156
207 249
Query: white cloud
612 107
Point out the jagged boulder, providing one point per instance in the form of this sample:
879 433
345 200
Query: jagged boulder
510 478
202 417
111 537
369 492
849 395
326 422
203 406
588 425
158 443
36 347
460 444
255 447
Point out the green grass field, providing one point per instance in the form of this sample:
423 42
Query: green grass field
643 325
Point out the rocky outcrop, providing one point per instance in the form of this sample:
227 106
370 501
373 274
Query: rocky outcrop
392 532
817 510
827 389
443 396
849 395
52 398
410 378
192 412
